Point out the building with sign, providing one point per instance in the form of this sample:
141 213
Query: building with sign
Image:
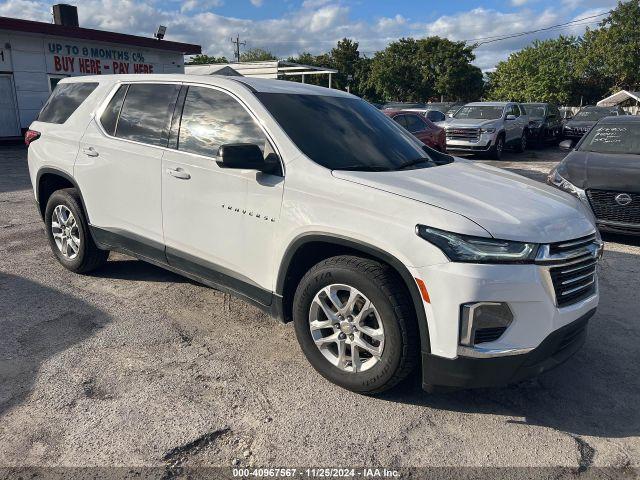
34 56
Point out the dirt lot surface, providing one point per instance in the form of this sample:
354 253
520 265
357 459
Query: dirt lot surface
135 366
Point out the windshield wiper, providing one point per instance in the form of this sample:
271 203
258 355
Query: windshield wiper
363 168
415 162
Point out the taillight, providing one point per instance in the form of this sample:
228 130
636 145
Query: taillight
31 136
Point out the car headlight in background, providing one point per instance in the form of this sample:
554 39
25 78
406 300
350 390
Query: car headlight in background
465 248
562 183
488 130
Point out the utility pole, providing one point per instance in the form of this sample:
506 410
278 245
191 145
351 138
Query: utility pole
237 44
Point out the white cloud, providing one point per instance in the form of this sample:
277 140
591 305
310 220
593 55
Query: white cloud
316 26
257 3
519 3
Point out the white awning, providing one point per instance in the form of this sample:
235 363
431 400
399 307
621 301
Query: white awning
618 98
268 69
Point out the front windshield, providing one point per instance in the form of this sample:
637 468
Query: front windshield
535 111
592 114
343 133
613 138
483 112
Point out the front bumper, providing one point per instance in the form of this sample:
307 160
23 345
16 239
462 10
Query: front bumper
482 143
474 372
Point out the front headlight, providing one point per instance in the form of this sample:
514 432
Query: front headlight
488 130
562 183
465 248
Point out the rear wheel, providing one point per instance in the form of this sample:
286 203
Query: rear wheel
68 233
354 322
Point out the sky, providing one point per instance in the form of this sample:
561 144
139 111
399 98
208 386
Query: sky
290 27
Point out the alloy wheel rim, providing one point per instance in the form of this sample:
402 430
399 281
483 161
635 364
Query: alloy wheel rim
346 328
66 234
499 145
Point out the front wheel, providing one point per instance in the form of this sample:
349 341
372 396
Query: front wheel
522 144
495 152
355 324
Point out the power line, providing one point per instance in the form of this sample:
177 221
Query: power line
572 23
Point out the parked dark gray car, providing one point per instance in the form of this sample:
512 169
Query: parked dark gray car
587 117
603 171
545 123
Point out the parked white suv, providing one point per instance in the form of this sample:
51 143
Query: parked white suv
487 127
314 206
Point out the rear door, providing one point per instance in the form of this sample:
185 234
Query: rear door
119 166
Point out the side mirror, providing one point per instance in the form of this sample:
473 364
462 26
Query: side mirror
566 145
510 117
247 156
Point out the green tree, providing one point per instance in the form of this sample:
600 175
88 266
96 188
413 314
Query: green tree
202 59
257 55
545 71
345 57
424 69
611 54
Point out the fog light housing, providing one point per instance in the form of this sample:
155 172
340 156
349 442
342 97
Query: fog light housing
482 322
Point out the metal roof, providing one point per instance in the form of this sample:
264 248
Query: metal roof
28 26
618 98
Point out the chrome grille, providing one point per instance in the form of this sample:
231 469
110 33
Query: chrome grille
455 133
572 268
607 209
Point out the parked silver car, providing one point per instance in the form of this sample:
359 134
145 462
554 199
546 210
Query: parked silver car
487 127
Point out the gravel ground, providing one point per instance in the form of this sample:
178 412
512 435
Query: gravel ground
135 366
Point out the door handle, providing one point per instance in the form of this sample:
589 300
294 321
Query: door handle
178 173
90 152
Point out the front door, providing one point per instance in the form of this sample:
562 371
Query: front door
9 126
219 223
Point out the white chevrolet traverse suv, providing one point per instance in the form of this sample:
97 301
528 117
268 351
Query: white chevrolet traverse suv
313 205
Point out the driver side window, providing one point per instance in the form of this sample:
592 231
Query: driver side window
212 118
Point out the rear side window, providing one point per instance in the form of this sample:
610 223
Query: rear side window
64 100
415 124
146 113
436 116
109 118
211 118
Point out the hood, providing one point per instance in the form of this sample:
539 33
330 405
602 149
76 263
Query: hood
506 205
602 171
581 123
469 122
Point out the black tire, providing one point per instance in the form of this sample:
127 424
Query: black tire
521 146
495 152
386 290
89 257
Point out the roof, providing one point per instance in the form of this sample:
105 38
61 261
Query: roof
28 26
489 104
216 69
619 97
263 85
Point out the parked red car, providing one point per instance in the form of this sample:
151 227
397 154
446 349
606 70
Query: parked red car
423 129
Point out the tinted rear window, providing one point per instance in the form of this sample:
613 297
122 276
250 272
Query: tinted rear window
146 113
342 133
64 100
109 117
